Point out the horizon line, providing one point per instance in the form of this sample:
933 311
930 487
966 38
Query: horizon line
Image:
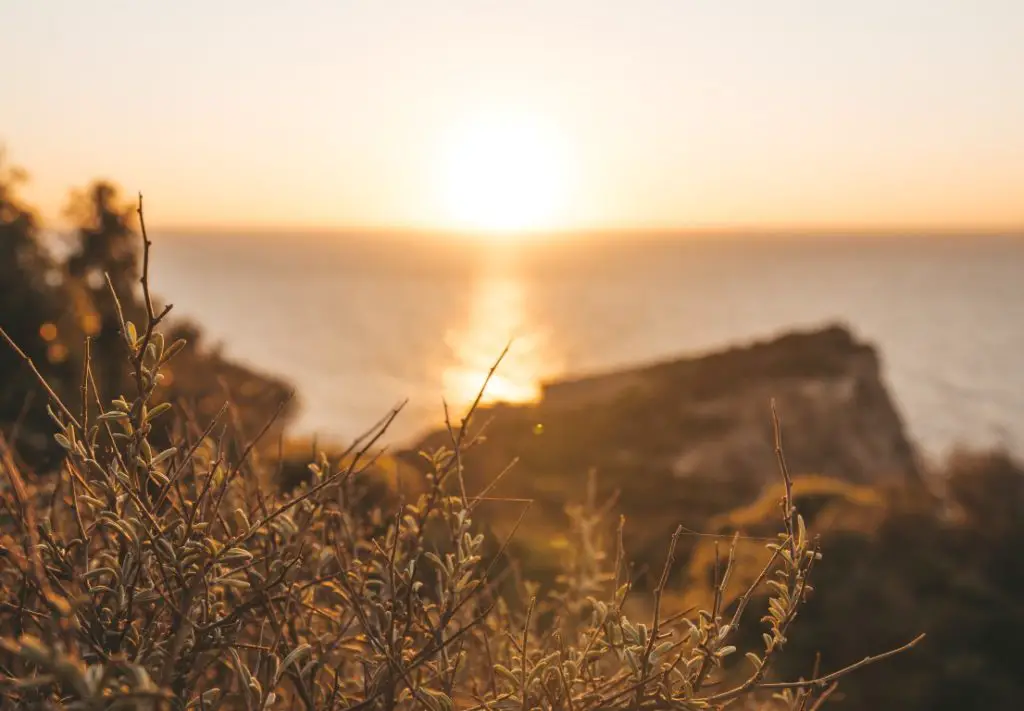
676 231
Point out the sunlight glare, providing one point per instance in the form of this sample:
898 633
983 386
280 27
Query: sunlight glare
498 316
504 174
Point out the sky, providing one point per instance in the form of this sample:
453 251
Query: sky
875 113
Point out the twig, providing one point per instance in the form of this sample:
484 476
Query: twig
789 515
39 376
819 681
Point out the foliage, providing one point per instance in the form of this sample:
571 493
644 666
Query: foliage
34 310
147 576
51 306
948 563
105 261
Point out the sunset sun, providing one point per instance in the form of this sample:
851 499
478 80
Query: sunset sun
503 175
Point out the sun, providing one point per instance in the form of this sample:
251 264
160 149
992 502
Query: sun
504 175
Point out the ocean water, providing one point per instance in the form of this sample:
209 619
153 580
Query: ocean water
358 324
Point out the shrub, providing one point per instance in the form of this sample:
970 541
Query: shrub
155 578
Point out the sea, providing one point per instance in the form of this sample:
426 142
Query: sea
361 322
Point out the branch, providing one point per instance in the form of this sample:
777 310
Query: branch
819 681
39 376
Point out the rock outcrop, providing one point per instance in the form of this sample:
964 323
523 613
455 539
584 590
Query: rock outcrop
686 440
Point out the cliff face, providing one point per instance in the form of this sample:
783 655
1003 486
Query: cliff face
712 414
683 441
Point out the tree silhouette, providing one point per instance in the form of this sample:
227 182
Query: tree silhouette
32 312
107 248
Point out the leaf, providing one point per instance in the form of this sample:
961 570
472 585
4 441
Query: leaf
292 657
33 649
125 531
158 341
235 554
241 521
158 410
96 572
309 665
173 350
242 669
660 651
236 583
507 675
164 455
438 699
145 596
90 502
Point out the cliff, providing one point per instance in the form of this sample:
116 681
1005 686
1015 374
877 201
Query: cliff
686 440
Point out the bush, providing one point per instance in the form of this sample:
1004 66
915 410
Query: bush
949 564
178 577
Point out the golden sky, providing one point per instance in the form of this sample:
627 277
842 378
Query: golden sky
553 115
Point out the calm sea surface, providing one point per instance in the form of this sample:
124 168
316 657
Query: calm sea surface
360 324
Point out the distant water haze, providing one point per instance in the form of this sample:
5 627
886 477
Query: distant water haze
358 325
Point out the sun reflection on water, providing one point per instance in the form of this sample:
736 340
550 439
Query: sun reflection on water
497 317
